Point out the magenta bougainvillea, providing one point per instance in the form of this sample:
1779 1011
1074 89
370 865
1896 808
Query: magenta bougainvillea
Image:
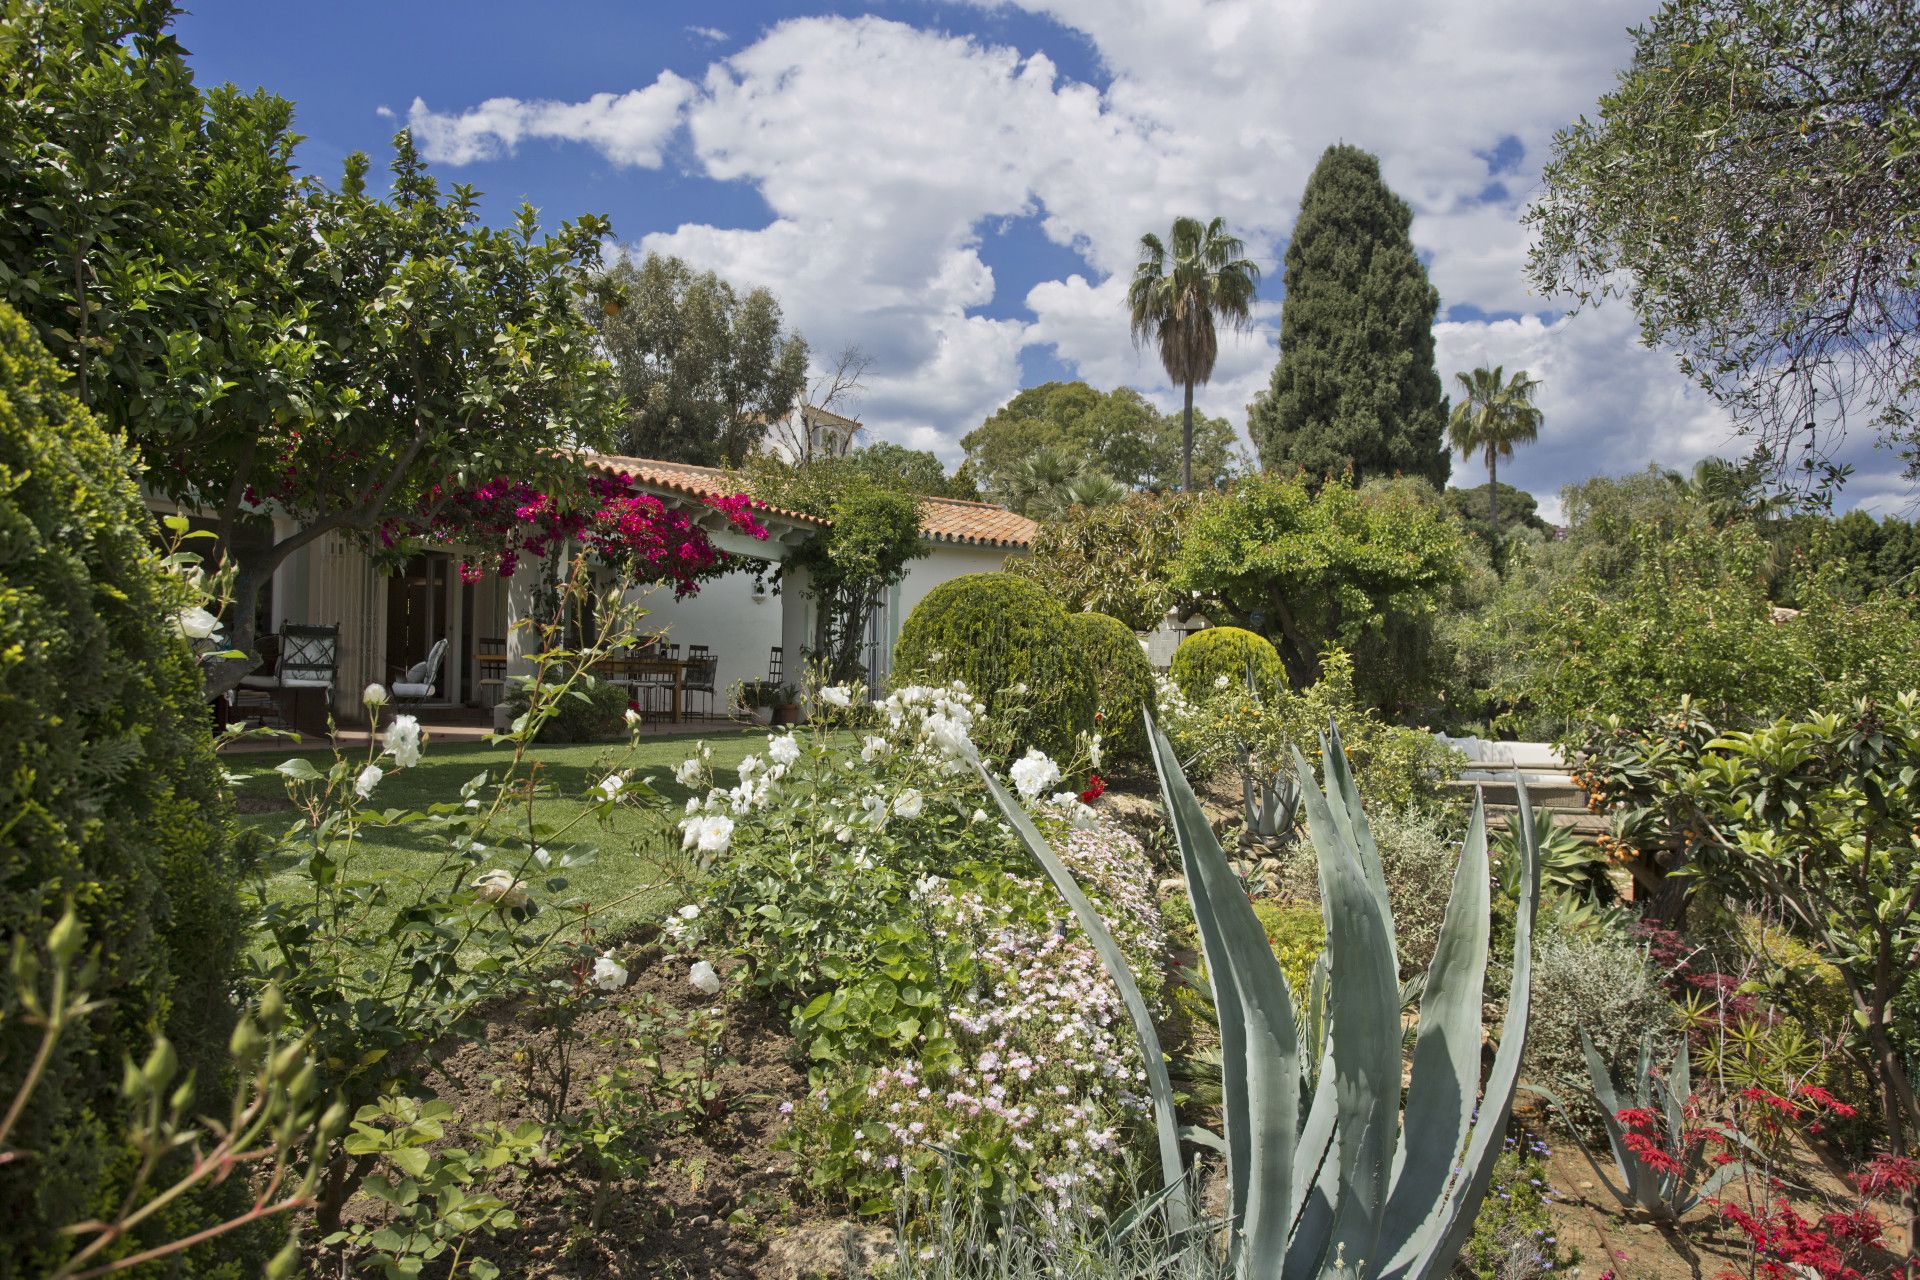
616 522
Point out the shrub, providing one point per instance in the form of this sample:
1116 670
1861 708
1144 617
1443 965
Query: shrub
1417 855
1298 934
1594 978
1205 656
109 795
595 713
1008 641
1123 682
1513 1234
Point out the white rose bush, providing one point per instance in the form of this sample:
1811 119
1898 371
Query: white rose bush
957 1021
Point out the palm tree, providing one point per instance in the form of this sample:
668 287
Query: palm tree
1175 297
1495 415
1053 479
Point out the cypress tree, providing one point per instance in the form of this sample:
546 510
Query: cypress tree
1356 384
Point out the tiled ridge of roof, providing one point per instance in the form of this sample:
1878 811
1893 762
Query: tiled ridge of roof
954 520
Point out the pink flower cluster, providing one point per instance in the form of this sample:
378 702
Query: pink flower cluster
617 523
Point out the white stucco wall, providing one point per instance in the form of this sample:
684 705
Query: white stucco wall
740 627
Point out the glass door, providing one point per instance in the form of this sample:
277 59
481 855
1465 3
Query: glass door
417 614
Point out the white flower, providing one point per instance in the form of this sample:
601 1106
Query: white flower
612 785
979 815
374 695
783 750
709 833
835 695
689 912
908 803
609 974
369 779
1034 773
1093 751
633 717
876 807
197 624
499 887
873 748
703 979
1219 682
403 741
691 773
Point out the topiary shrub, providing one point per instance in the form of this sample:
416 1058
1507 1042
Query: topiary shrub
1000 633
1205 656
588 713
1122 680
109 795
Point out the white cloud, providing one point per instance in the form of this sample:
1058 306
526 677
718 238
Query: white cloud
885 151
712 35
629 128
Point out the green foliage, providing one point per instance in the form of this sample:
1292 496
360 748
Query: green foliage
1816 818
1884 553
1356 389
1123 683
261 337
1000 633
1336 566
1568 864
1232 654
1748 187
111 794
435 1201
1494 415
918 471
1119 432
1514 1234
1519 510
1298 934
591 711
704 370
1115 559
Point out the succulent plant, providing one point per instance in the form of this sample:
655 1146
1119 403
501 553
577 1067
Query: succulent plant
1662 1173
1320 1181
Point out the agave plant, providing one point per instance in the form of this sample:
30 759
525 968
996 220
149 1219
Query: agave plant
1566 861
1270 801
1661 1176
1320 1182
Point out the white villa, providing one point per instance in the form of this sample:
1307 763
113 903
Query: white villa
389 622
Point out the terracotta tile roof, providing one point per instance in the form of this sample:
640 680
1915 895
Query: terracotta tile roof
951 520
683 477
979 524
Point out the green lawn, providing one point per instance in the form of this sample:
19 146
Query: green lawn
637 847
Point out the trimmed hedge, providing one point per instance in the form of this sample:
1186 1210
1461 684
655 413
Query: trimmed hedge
110 795
1205 656
995 631
1122 680
596 713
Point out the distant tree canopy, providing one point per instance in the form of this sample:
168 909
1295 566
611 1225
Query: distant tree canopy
705 369
1752 188
1518 510
917 471
1356 386
1115 559
1119 433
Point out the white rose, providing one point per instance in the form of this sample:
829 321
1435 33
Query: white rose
873 748
633 717
703 979
1033 773
689 912
374 695
835 695
1219 682
783 750
612 785
691 773
709 833
197 624
908 803
369 779
403 741
499 887
609 974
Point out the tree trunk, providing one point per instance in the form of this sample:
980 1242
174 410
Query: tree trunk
255 555
1493 503
1186 444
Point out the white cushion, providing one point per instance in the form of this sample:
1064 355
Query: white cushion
416 673
306 682
404 689
260 682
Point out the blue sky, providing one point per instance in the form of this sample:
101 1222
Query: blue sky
958 187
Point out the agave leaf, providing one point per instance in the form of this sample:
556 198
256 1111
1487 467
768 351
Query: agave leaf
1365 1026
1640 1187
1430 1251
1172 1170
1446 1057
1262 1106
1344 793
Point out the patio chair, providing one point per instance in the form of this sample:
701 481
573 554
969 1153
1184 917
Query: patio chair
257 697
309 658
490 669
701 669
416 683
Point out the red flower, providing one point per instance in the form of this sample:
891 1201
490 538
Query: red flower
1096 787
